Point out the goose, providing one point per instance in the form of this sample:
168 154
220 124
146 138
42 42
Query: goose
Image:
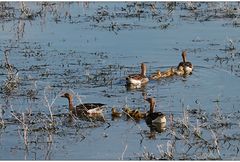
187 66
85 108
154 117
138 79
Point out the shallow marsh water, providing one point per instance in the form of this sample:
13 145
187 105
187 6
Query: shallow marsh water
89 48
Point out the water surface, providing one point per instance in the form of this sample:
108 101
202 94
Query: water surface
89 49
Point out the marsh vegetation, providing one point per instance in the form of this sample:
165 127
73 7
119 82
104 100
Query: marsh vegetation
88 49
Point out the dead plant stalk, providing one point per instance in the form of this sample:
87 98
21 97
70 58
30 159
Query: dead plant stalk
124 151
24 126
49 105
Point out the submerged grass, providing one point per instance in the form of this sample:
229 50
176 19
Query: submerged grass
193 139
13 79
193 136
196 135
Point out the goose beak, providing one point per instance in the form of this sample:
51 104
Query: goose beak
62 95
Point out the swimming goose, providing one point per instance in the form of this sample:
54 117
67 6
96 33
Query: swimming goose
115 113
134 113
154 117
179 71
137 115
83 109
138 79
187 66
168 73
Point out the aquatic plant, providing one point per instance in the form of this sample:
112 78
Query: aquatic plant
12 81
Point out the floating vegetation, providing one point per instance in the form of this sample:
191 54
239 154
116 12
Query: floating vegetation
13 79
189 134
90 48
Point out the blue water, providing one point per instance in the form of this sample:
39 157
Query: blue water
62 55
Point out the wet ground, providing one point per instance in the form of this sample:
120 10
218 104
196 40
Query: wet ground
88 49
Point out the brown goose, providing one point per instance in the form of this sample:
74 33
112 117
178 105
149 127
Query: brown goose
186 65
168 73
154 117
115 113
138 79
83 109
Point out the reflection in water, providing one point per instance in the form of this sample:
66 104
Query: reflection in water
49 146
26 153
20 29
83 117
156 128
52 57
131 87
